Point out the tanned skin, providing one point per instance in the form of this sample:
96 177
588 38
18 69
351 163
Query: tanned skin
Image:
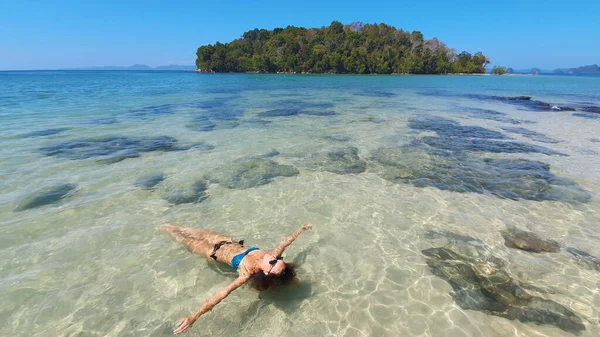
203 242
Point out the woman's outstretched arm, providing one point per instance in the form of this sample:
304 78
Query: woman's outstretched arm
185 323
288 241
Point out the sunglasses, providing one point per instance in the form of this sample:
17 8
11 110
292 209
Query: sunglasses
273 262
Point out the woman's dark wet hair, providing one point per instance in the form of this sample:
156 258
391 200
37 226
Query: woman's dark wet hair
262 282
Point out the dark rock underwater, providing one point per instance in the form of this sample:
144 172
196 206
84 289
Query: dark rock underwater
481 282
528 241
450 161
46 196
114 149
524 102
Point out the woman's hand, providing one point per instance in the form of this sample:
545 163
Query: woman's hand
288 241
183 325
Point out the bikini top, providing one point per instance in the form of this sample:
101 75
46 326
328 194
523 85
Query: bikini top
237 260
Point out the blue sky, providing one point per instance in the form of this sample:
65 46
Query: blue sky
62 34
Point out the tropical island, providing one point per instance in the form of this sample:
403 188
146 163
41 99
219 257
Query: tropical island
356 48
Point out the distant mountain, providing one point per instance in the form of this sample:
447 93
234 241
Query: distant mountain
591 69
139 67
535 71
538 71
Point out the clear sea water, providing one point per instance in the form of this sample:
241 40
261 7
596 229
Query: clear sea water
95 264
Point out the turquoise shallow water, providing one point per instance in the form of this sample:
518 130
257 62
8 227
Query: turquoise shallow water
384 167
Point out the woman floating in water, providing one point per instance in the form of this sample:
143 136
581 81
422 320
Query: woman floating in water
264 267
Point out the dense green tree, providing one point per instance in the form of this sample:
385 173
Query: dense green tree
356 48
497 70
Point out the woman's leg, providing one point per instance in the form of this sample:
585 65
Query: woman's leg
199 241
